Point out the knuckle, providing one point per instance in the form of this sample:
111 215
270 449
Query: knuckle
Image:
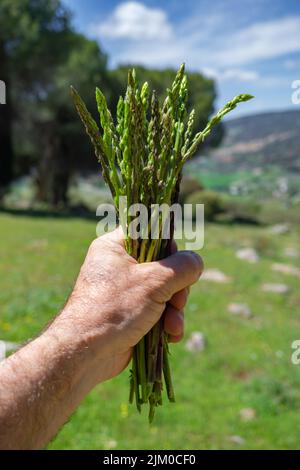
157 284
196 265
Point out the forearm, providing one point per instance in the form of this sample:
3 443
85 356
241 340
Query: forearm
42 384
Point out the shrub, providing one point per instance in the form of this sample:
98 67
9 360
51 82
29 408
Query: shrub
188 186
20 195
85 193
278 212
241 210
213 203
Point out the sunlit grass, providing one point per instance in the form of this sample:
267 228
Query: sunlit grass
246 363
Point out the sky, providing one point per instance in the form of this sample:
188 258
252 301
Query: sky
250 46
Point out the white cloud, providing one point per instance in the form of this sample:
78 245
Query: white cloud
199 41
137 33
238 74
263 40
134 21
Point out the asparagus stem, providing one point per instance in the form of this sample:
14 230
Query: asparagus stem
131 389
142 369
135 379
167 373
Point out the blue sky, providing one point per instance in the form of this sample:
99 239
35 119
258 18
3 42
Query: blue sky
248 46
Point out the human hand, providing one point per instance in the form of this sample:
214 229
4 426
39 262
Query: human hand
116 301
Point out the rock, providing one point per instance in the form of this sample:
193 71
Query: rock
248 254
291 252
238 440
215 275
40 244
275 288
193 307
247 414
242 310
280 229
110 444
196 342
286 269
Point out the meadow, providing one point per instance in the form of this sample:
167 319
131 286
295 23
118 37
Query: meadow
246 363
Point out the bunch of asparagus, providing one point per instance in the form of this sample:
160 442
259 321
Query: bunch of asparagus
142 156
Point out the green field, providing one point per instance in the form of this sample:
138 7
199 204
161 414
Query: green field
246 363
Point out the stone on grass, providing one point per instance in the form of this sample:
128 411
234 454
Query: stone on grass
193 307
196 342
291 252
242 310
248 254
238 440
215 275
39 244
275 288
286 269
280 229
110 444
247 414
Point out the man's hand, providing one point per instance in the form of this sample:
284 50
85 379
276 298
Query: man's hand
115 302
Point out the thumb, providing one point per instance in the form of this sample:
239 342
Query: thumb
173 273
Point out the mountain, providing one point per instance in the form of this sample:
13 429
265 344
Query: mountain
259 156
262 140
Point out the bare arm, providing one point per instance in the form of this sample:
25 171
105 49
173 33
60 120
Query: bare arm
114 303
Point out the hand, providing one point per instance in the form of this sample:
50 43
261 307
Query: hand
116 301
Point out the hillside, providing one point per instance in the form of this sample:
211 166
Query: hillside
263 139
259 155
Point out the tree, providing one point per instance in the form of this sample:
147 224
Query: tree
61 137
201 96
30 32
6 150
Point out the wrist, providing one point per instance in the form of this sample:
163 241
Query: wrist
88 346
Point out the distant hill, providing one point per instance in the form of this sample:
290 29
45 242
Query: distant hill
263 139
259 156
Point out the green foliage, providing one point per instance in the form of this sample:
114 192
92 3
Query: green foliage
188 185
224 208
201 94
242 210
21 194
88 195
41 55
31 37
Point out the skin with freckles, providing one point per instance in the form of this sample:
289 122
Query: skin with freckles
114 303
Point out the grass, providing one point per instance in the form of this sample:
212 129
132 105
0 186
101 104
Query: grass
246 363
